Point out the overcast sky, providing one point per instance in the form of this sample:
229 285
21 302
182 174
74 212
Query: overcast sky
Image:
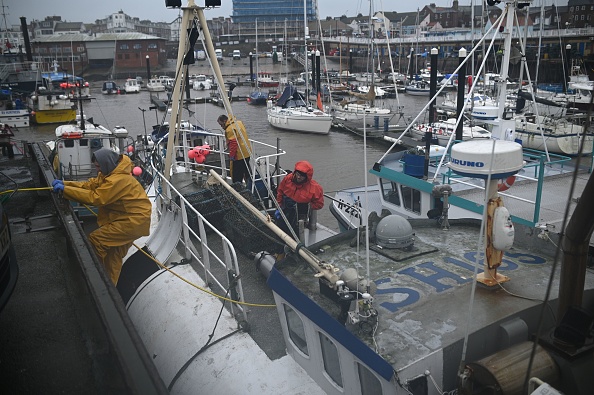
154 10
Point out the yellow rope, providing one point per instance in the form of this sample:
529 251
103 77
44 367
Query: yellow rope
27 189
191 283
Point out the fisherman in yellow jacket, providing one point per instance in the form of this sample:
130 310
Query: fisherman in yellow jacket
124 207
239 146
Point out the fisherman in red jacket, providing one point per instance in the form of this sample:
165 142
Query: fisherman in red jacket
297 193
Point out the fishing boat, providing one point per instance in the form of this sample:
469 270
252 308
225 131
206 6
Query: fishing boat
155 85
12 112
51 106
334 317
200 82
421 283
266 80
20 77
131 86
74 145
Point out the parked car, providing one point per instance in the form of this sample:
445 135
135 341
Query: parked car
236 54
219 54
9 269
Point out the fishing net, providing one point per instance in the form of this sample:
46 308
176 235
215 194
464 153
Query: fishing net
219 207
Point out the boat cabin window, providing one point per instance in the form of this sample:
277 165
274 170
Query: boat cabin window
68 143
370 384
412 199
331 361
390 192
296 329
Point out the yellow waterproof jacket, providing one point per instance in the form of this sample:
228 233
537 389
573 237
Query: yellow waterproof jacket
119 196
237 139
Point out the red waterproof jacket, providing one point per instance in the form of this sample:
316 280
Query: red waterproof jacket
307 192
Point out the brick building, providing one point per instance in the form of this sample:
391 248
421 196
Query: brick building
92 51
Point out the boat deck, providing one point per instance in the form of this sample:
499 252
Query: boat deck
263 322
423 297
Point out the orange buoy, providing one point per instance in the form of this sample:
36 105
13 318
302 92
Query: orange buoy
506 184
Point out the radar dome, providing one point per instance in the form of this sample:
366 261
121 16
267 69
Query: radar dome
478 158
394 231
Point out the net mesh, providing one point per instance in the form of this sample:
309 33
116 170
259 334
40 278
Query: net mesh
223 210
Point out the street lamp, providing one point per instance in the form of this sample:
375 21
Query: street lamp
144 122
148 69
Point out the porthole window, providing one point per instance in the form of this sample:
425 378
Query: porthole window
370 384
296 329
331 361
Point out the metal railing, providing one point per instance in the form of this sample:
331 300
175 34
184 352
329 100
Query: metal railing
207 246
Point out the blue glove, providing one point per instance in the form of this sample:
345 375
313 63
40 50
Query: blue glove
277 214
57 182
58 187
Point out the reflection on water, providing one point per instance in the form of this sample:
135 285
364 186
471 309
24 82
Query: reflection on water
338 158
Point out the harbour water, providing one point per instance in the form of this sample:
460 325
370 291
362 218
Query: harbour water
338 158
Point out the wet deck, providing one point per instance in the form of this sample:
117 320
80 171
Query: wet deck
423 296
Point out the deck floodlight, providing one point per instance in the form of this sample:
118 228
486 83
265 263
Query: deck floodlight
173 3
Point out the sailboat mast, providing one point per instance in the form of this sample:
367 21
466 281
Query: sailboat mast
542 10
257 56
372 50
305 52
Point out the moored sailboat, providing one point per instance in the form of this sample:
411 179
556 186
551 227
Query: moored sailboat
292 111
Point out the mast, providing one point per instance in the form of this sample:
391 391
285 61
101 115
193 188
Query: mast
178 87
509 27
257 56
371 53
541 25
188 14
305 53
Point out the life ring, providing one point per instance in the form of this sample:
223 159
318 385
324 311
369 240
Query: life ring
506 184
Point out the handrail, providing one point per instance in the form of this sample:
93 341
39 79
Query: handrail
263 165
207 231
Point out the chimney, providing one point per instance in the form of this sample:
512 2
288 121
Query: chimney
455 4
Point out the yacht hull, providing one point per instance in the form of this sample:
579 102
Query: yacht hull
316 122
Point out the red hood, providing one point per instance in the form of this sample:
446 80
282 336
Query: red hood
305 167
